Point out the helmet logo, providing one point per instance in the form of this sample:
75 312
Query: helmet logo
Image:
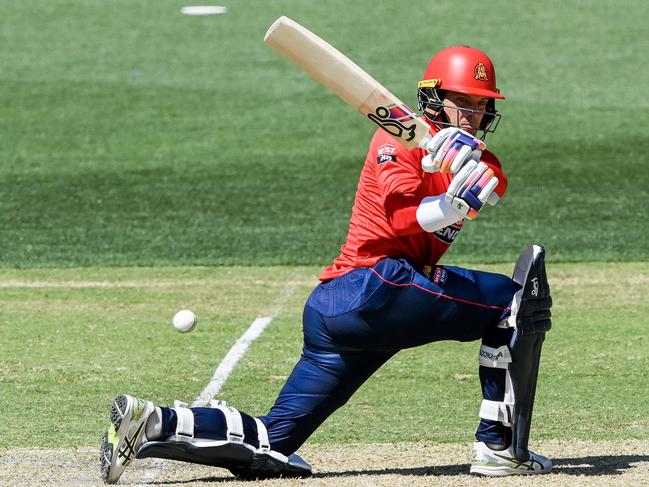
480 72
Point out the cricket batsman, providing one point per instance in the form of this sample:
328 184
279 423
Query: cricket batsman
385 292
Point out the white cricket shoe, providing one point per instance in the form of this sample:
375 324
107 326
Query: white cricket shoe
496 463
124 437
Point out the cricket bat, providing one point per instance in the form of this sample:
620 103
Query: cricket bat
346 79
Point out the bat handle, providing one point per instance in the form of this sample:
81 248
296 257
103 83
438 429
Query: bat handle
427 163
425 140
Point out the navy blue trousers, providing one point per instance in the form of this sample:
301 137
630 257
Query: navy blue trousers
353 324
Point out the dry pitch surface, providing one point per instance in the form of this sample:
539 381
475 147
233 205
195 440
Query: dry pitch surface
576 463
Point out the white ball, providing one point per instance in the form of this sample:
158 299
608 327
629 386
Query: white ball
184 321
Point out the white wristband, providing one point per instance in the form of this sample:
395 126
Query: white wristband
435 213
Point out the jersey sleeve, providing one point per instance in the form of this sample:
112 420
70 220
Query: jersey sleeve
397 169
399 179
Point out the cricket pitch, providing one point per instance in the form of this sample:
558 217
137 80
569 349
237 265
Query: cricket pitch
576 463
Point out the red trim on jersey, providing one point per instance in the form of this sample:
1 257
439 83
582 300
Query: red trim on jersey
442 295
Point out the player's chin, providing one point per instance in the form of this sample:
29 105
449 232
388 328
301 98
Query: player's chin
469 128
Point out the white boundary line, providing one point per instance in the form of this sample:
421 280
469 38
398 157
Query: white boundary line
226 367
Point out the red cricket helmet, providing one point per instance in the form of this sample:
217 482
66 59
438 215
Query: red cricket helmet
462 69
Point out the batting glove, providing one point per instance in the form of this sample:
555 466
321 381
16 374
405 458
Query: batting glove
471 188
450 149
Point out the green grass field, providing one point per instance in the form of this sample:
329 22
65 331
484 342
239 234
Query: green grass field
132 135
151 161
73 339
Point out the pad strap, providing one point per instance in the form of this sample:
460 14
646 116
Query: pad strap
262 435
498 358
184 422
497 411
233 421
495 358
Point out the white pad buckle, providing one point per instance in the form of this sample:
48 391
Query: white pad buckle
497 411
495 358
498 358
184 422
262 436
233 421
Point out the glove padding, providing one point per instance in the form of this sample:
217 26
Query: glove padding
471 188
450 149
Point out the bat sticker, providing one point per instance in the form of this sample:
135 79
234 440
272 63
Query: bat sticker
392 119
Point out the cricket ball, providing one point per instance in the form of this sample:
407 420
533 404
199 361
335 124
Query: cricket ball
184 321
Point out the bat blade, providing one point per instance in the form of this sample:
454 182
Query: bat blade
352 84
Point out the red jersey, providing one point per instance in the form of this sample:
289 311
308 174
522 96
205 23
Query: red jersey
384 222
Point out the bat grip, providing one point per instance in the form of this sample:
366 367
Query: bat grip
425 140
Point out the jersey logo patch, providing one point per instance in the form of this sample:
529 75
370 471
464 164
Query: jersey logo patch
449 234
440 275
386 153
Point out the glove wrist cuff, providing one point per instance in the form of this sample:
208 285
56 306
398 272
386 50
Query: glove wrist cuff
435 213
